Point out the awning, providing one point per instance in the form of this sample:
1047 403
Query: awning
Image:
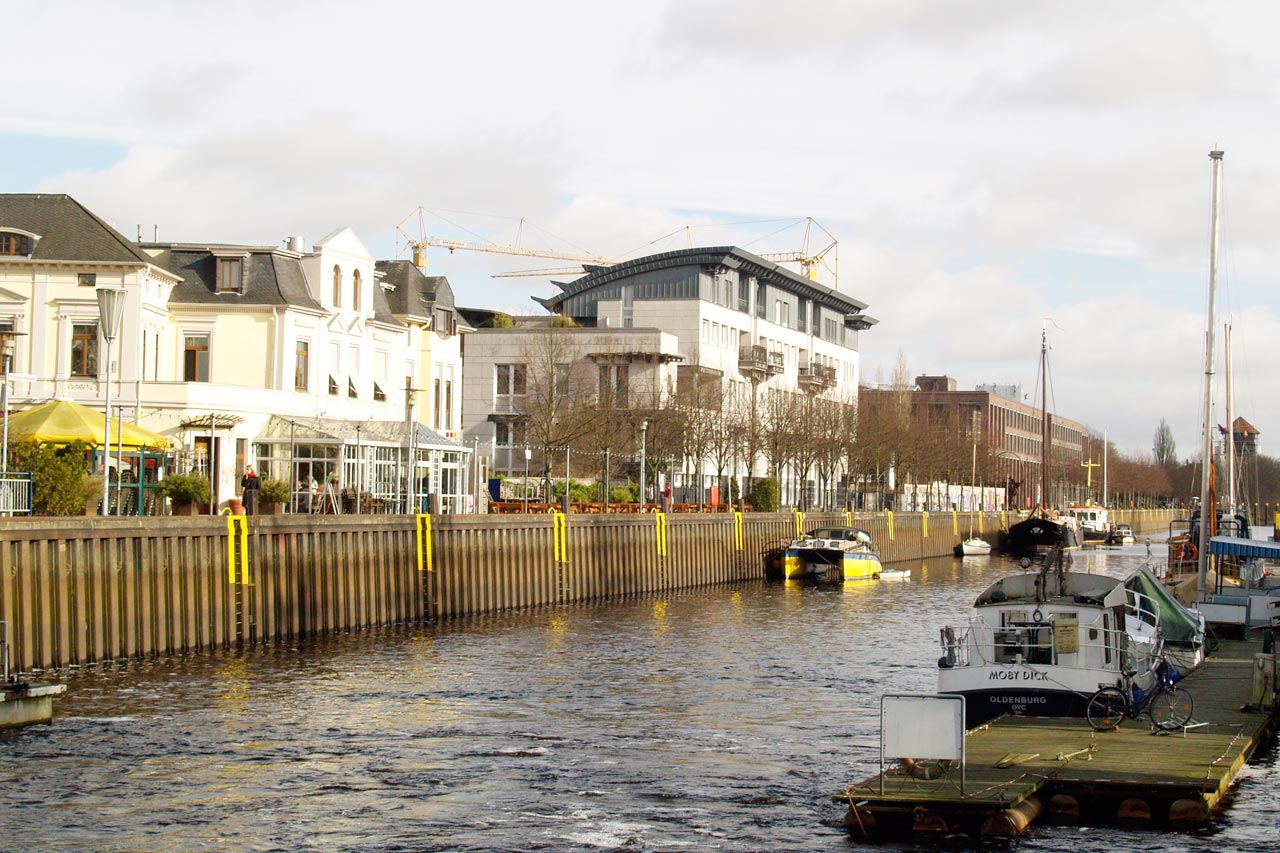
1236 546
340 431
65 421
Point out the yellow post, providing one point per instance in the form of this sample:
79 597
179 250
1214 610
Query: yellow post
955 523
890 512
848 518
560 537
424 543
660 532
237 527
799 517
1004 519
737 530
924 524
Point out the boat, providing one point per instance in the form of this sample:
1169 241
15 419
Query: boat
895 574
1121 534
832 555
973 547
1041 643
1091 521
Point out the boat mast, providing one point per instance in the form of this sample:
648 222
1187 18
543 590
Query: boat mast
1230 442
1044 419
1208 514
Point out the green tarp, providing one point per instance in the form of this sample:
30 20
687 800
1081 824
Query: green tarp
1180 626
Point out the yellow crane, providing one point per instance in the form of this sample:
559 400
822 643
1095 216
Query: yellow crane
419 243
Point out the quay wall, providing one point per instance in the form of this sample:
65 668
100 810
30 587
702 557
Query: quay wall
81 591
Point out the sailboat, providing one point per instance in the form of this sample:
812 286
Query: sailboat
1039 537
974 546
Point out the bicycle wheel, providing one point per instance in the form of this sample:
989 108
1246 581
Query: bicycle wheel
1171 708
1106 709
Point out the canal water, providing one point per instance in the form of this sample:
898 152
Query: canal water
715 719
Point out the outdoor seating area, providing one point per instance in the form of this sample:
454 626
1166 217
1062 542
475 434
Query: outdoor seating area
598 507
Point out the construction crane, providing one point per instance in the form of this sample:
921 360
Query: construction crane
809 261
419 243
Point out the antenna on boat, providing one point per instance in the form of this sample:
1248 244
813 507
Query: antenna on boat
1208 514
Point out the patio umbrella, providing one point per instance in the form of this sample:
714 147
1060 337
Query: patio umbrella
64 421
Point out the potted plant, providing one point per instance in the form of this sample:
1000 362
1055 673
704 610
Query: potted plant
186 491
273 497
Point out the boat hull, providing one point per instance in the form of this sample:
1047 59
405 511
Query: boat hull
830 567
1023 690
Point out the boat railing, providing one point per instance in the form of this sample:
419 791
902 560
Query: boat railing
1033 642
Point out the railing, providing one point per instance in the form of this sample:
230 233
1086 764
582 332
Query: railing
1030 642
15 493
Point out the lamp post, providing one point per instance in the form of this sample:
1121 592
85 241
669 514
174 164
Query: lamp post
111 314
528 454
644 432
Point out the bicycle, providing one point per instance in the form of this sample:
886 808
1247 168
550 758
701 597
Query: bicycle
1167 704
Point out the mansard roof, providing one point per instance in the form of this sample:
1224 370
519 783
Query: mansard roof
415 293
68 230
271 276
727 257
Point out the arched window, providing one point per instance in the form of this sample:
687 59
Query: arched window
355 290
337 286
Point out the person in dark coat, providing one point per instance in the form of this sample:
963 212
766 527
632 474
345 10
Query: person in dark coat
251 485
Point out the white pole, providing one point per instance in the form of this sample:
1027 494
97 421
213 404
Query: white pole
1208 513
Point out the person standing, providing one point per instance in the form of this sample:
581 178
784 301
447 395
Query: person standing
251 485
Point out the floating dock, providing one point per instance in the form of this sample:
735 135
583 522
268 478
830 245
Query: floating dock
27 704
1021 769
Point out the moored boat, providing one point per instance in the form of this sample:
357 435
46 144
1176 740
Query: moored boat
832 555
1121 534
1092 521
973 547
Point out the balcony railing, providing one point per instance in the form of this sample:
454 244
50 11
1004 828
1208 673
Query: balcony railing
817 377
758 359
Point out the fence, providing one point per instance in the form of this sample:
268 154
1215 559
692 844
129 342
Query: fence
80 591
15 493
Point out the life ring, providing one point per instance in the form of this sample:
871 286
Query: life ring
1189 551
1037 616
926 770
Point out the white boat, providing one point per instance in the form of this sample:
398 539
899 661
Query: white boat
895 574
832 555
1041 643
1121 534
1091 520
974 547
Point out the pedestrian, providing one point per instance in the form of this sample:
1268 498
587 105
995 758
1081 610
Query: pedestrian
666 498
251 485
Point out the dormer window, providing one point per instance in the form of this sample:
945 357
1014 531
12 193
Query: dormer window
337 286
17 243
230 272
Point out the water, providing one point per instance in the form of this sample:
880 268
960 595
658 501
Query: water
716 719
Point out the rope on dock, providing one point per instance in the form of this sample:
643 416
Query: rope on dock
1005 784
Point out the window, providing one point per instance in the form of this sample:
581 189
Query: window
435 405
229 272
614 380
333 385
87 279
511 380
84 349
337 287
301 365
448 404
378 393
351 389
782 312
355 290
14 244
509 434
195 358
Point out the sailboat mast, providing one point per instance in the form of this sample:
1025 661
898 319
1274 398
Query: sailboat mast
1208 513
1044 417
1230 443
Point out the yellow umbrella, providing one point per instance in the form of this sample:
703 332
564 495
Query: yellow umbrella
63 421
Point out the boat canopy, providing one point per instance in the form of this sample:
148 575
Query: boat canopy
1180 626
1078 587
1236 546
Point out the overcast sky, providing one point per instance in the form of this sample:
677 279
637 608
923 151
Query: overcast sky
984 165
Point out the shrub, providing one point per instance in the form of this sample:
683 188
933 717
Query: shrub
185 487
622 495
274 491
57 476
763 496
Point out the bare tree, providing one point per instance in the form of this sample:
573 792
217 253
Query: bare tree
1164 447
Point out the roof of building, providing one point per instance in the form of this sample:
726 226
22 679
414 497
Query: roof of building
271 276
68 230
415 293
730 257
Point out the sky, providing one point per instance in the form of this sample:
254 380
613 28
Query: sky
988 168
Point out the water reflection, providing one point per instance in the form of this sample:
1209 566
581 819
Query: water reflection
719 718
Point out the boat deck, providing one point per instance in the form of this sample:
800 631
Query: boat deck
1018 769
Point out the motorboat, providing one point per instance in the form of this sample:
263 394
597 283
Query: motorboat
1038 538
973 547
1121 534
1092 520
895 574
832 555
1041 643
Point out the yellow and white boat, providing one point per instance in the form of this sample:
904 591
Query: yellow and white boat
832 555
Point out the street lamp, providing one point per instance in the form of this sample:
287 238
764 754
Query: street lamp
644 432
528 454
111 314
